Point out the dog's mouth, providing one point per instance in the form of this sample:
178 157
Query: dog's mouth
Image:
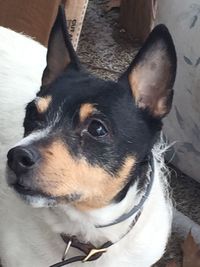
38 198
14 182
21 189
34 198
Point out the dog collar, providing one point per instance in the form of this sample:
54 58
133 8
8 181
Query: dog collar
139 206
92 253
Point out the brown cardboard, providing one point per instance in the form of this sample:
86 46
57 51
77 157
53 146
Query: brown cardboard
137 18
34 17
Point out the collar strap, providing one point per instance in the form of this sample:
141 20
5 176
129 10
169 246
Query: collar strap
91 252
139 206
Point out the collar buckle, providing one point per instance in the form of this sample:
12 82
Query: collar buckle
66 250
94 253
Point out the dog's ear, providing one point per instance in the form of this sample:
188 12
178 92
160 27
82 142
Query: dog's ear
152 73
60 52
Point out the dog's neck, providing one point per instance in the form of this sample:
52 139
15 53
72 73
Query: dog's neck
69 220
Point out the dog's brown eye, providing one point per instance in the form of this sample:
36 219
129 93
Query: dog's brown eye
97 129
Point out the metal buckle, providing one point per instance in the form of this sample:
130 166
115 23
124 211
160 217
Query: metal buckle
94 252
66 250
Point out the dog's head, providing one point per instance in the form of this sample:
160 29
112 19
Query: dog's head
86 137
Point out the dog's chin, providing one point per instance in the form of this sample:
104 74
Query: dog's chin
39 201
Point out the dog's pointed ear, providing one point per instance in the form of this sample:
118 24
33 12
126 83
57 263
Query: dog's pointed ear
60 52
152 73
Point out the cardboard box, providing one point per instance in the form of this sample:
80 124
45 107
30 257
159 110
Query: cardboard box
35 18
137 18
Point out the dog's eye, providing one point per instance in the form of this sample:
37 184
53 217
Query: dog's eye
97 129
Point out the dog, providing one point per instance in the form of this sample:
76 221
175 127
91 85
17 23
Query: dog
87 183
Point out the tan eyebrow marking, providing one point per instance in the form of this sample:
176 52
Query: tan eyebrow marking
42 103
86 110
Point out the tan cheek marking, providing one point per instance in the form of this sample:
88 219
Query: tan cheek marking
86 110
62 175
106 187
43 103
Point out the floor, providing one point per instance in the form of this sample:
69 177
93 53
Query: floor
106 51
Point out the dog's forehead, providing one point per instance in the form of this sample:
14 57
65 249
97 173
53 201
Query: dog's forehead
70 92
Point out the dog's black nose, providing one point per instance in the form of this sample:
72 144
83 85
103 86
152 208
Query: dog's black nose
22 159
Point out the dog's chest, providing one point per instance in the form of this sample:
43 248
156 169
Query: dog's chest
34 245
